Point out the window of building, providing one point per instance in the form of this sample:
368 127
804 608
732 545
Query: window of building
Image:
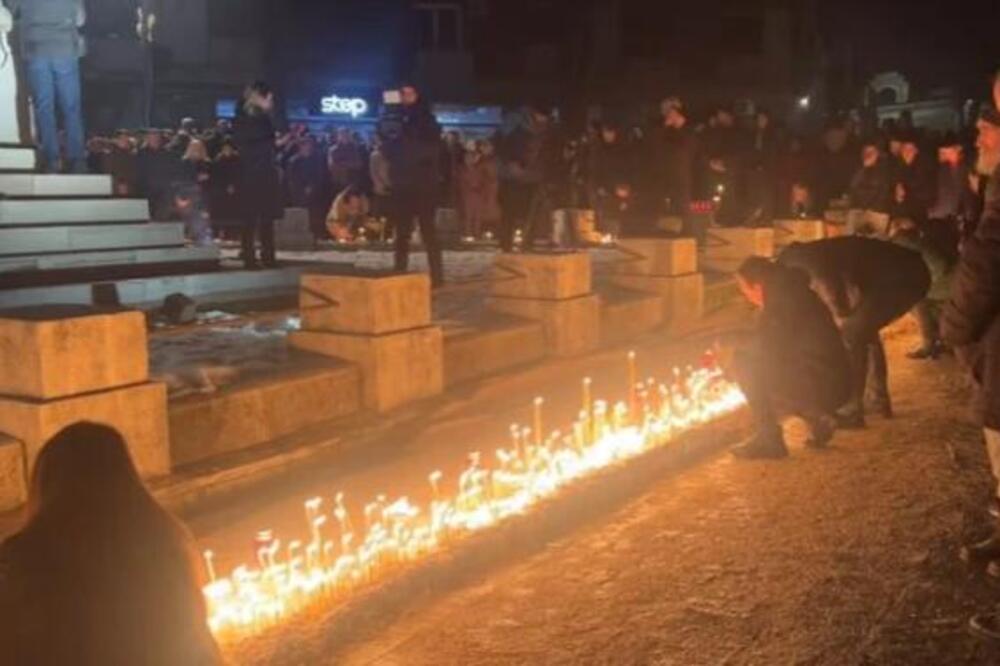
440 26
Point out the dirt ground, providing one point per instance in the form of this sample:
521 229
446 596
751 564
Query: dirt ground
842 557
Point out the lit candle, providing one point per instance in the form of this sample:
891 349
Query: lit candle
632 380
435 479
209 556
538 421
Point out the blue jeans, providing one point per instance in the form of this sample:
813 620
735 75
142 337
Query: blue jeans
52 80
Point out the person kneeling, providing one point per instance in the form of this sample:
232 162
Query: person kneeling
795 362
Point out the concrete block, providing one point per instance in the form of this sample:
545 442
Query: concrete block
726 249
46 185
48 240
248 415
53 353
572 326
396 368
132 257
17 212
138 412
658 256
13 474
625 317
472 354
545 276
365 305
787 232
683 295
17 158
836 230
293 231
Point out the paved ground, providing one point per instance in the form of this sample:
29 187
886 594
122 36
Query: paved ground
842 557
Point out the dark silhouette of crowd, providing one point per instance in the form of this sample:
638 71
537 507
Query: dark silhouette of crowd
677 173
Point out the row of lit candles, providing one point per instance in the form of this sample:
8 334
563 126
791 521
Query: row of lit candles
290 579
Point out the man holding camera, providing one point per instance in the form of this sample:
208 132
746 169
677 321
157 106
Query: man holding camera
52 46
411 143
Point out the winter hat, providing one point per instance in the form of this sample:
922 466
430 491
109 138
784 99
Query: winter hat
950 140
990 114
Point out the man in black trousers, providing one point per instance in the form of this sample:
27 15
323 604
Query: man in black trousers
795 363
867 284
411 142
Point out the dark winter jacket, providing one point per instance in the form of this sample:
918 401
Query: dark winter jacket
672 156
611 166
871 188
917 182
259 185
971 319
954 197
854 273
414 155
801 347
49 28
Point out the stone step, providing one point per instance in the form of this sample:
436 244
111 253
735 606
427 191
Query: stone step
51 240
54 262
216 288
17 158
39 185
14 213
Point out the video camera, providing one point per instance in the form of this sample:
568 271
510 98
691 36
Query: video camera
391 122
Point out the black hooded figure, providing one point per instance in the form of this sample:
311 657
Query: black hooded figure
411 143
259 184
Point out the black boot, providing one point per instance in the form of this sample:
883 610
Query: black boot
851 421
820 433
982 551
762 447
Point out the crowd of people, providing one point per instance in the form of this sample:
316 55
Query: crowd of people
101 574
741 170
817 351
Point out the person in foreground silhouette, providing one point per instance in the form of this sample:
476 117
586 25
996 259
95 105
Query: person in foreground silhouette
100 575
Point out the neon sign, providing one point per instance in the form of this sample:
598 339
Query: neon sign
344 106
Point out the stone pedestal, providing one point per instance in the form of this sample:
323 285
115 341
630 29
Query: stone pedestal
657 257
554 289
382 323
683 295
667 268
791 231
13 478
727 249
293 231
61 366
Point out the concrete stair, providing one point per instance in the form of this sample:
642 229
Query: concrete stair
23 212
107 259
51 240
64 230
39 185
17 158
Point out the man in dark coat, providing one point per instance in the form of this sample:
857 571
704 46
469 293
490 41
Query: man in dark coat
796 362
871 187
259 185
672 151
913 192
308 184
867 284
971 320
411 142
